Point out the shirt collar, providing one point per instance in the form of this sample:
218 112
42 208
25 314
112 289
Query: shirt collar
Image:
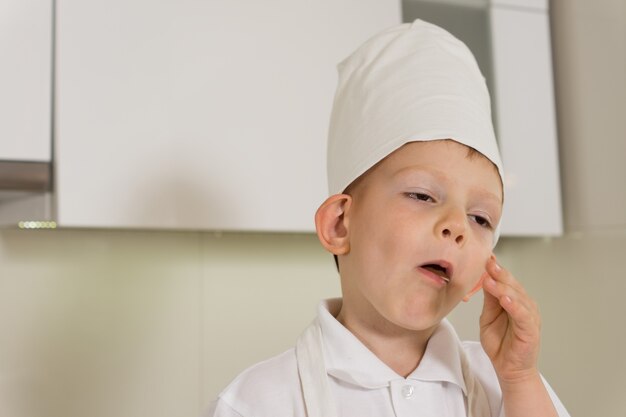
351 361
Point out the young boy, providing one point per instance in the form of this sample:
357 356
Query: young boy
416 198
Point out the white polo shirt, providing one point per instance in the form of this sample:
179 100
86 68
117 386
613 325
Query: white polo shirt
361 384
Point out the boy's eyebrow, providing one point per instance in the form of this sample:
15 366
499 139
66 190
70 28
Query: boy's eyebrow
404 172
488 195
441 176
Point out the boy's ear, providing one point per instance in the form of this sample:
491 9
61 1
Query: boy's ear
476 288
332 225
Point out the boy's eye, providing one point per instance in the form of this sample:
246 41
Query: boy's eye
481 221
420 197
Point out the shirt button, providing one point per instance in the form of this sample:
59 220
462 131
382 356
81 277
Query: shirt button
407 391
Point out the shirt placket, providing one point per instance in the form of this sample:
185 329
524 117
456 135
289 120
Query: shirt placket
412 398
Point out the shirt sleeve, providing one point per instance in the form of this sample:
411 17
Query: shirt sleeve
483 369
219 408
560 408
558 405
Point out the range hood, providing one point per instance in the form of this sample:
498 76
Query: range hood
26 199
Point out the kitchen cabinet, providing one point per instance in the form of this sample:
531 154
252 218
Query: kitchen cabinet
511 42
26 39
526 118
181 114
25 80
190 115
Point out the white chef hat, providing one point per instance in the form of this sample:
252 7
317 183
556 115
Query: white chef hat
411 82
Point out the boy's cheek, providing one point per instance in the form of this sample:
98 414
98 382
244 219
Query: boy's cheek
479 268
486 252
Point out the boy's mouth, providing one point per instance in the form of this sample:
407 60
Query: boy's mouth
443 269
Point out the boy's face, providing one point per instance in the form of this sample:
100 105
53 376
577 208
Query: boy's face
426 203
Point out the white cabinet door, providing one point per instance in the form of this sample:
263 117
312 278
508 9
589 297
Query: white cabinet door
511 42
191 114
526 120
25 80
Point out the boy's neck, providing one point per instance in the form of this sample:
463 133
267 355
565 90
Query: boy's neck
400 349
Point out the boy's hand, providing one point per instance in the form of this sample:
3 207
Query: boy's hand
509 326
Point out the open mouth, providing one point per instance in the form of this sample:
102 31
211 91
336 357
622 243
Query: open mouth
442 270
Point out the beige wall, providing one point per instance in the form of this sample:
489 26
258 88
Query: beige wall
139 323
116 323
113 323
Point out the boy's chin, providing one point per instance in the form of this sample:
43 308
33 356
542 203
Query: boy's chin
419 323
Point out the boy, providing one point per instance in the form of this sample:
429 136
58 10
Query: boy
416 198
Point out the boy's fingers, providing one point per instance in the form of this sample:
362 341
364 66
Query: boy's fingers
502 283
503 289
509 297
491 306
522 310
490 313
502 275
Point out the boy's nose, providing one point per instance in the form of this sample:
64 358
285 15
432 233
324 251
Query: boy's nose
452 226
